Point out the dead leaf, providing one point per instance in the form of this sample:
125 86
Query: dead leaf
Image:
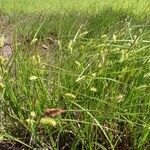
53 112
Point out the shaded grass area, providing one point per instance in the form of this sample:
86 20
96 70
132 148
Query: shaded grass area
66 25
95 67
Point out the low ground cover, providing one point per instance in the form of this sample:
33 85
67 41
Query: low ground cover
77 75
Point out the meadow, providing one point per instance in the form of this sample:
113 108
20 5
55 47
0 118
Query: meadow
76 74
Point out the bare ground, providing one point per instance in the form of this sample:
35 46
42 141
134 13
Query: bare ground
6 31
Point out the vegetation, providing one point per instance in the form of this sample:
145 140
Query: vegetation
78 76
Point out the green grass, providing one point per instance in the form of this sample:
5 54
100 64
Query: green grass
97 70
51 6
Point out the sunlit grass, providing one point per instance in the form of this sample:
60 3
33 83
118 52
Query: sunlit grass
63 6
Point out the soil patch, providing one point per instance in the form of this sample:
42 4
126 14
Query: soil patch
6 31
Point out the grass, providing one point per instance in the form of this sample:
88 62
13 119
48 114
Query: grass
87 60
